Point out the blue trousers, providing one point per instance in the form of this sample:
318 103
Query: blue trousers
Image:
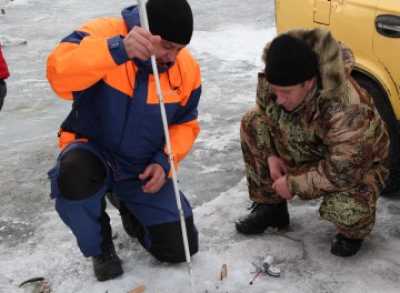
157 213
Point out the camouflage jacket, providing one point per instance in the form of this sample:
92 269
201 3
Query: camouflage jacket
335 140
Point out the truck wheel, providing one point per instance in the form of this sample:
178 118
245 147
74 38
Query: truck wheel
384 107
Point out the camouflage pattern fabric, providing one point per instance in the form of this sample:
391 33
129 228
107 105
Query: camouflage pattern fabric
334 144
256 145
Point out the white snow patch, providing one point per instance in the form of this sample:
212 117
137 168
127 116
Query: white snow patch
237 43
219 138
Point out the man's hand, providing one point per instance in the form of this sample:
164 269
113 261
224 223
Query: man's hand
281 187
140 43
277 167
154 174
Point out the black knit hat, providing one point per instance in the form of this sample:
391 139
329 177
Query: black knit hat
171 19
290 61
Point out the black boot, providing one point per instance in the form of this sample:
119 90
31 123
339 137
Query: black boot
131 225
107 265
343 246
263 216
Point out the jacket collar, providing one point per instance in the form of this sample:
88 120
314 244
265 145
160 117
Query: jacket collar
131 16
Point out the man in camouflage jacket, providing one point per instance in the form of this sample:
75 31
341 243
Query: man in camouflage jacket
313 133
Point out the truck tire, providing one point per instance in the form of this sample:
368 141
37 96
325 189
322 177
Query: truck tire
385 110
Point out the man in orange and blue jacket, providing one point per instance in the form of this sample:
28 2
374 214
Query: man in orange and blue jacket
113 139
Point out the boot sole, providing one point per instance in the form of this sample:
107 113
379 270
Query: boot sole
109 276
260 231
112 273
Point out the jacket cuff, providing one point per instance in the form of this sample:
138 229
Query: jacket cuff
162 159
295 188
298 185
117 50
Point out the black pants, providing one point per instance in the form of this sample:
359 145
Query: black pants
166 238
3 92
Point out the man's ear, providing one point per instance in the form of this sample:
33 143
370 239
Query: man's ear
309 84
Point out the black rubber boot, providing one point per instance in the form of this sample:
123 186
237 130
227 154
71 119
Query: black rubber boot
130 223
344 247
263 216
107 266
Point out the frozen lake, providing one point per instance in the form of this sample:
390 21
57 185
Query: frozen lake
228 40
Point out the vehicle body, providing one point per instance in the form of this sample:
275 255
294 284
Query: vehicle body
371 28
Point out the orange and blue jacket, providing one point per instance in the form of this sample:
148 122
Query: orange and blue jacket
115 104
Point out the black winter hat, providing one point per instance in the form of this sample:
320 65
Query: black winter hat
290 61
171 19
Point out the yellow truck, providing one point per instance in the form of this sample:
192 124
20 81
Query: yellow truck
371 28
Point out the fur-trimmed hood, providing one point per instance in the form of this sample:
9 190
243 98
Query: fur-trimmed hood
335 60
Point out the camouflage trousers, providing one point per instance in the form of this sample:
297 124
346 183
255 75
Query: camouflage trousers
353 211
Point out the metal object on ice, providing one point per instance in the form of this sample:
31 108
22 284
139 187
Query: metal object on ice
273 271
268 260
269 269
265 266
